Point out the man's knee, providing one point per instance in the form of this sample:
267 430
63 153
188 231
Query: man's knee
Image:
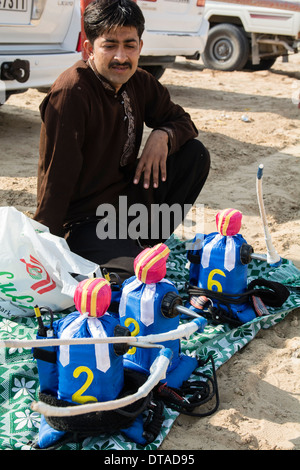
198 149
196 156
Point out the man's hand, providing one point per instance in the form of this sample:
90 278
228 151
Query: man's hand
153 159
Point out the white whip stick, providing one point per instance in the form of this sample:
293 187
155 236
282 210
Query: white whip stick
184 330
273 257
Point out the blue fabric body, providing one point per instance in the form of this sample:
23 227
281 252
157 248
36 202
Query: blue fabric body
141 359
47 371
104 386
47 435
60 382
136 430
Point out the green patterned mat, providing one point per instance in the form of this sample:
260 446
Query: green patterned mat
19 382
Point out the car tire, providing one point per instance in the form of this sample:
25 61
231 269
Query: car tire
227 48
156 70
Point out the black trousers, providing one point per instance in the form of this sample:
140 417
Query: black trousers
187 171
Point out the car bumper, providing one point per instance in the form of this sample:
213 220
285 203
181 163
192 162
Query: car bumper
43 69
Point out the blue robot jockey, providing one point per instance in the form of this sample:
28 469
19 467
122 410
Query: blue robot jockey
87 373
218 275
149 304
142 310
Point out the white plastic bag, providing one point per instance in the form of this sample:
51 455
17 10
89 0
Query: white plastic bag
36 267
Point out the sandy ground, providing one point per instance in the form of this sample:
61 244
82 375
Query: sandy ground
244 118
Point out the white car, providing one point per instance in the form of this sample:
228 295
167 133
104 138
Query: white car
173 28
41 38
247 34
38 40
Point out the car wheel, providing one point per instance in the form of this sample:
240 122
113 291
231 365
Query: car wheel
227 48
155 70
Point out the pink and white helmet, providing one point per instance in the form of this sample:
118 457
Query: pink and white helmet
150 264
93 296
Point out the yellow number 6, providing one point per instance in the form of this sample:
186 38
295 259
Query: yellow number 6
212 282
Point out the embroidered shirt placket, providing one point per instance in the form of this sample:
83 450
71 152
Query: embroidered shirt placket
129 144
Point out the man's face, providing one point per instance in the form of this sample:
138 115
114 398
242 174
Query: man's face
116 54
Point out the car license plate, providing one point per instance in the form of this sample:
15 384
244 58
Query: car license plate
13 5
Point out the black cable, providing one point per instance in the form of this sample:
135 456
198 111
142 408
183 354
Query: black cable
154 421
180 400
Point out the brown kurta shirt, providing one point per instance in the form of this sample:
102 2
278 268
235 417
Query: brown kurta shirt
90 137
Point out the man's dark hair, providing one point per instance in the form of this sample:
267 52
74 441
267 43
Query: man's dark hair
105 15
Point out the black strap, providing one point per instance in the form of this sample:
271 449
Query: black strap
273 293
193 258
44 355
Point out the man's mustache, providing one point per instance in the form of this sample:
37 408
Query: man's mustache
119 64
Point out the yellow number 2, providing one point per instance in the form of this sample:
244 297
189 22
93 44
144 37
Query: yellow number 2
78 396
